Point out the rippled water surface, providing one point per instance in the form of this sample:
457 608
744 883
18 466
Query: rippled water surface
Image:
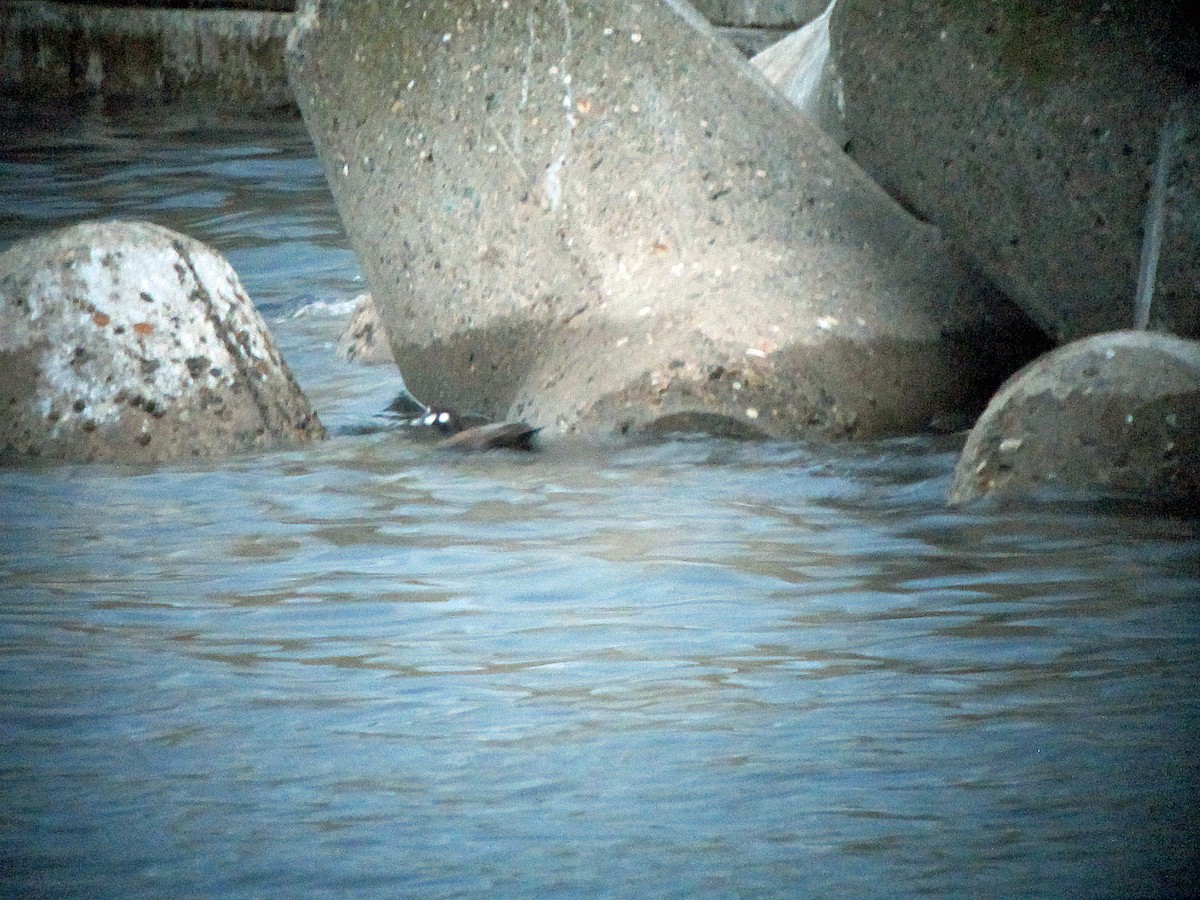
688 669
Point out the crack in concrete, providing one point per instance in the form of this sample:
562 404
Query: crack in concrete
526 71
552 183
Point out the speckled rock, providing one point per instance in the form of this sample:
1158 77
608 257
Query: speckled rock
127 342
1029 131
1114 414
365 339
592 214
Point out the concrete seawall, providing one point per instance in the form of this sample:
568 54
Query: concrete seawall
224 52
228 53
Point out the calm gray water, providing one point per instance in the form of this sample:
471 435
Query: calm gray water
694 669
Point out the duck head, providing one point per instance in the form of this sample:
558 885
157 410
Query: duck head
445 422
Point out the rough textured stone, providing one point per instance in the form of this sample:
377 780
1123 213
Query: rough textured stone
365 340
127 342
1028 130
590 213
1114 414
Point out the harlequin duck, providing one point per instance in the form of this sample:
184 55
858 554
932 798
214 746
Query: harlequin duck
488 436
462 432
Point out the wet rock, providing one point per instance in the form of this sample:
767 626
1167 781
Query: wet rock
365 339
127 342
1029 132
1114 414
591 214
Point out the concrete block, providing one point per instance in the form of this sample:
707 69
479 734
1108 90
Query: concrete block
56 51
1030 131
592 214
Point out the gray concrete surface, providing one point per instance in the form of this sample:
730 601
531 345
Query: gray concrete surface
214 51
1029 132
594 214
365 340
53 52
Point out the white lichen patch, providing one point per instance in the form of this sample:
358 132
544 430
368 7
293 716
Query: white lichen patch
136 321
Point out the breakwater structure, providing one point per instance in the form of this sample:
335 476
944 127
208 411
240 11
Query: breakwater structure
224 51
228 52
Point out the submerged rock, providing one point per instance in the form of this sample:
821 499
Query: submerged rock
1029 132
128 342
592 214
1114 414
365 339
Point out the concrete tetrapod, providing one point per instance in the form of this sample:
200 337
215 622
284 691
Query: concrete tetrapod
127 342
1115 414
1030 132
593 214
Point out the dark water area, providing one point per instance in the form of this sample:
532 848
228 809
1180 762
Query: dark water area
690 669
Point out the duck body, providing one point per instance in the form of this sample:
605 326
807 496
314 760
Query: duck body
493 436
458 435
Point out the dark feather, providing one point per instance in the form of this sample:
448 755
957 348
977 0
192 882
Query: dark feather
471 433
495 436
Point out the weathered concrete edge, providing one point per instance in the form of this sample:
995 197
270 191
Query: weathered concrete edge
65 51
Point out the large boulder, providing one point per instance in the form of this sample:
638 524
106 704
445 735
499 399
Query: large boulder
127 342
1113 414
1029 130
594 214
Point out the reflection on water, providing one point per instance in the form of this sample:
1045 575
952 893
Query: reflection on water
690 669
